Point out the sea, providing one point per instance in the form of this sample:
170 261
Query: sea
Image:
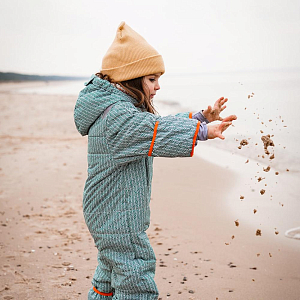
266 102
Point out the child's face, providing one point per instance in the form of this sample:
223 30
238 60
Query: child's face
151 85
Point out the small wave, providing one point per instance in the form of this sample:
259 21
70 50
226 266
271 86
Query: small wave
293 233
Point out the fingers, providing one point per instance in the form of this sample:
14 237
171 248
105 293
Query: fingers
230 118
220 135
219 106
214 113
221 101
224 126
218 102
216 130
222 108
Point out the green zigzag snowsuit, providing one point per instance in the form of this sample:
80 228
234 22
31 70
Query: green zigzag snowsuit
117 191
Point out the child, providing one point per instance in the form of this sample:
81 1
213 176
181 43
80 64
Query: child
115 109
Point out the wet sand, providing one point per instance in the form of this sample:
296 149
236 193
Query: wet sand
46 249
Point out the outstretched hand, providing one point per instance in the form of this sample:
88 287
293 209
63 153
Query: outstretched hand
216 130
213 113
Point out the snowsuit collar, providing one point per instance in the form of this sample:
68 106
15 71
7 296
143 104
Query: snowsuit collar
93 101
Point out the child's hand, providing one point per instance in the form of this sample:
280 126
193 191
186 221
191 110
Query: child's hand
213 114
216 130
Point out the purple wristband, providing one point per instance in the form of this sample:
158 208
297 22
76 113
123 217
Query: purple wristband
202 133
199 116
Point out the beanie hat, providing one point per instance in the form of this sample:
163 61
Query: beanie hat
130 56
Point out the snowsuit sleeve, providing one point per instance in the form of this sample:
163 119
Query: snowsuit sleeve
184 115
132 134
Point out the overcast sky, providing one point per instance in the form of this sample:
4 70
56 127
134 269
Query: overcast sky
70 37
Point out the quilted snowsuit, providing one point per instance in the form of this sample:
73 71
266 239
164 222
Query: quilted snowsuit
122 141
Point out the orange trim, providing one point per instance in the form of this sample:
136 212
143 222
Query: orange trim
190 115
153 139
102 294
195 137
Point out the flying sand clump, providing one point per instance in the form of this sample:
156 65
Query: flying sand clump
243 142
266 139
258 232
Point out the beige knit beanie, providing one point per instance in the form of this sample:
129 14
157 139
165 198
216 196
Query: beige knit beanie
130 56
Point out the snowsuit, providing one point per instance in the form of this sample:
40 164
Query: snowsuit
121 145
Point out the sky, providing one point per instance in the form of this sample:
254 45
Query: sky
70 37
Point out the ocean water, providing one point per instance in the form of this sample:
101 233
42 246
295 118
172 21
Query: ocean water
266 103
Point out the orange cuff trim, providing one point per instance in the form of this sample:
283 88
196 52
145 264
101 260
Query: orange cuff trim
153 139
102 294
190 115
195 137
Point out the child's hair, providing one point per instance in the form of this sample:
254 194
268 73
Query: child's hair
134 88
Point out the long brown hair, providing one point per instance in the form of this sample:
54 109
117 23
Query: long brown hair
134 88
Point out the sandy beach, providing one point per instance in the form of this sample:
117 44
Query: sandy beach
46 249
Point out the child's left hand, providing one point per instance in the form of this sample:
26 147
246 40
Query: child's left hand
213 114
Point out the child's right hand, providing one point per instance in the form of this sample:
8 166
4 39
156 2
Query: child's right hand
216 130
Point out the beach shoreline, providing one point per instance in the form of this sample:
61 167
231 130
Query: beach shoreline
47 252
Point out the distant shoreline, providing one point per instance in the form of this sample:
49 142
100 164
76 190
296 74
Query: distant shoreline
17 77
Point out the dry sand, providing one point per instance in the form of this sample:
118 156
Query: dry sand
47 252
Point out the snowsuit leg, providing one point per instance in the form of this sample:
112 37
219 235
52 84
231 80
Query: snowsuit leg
134 269
132 262
101 281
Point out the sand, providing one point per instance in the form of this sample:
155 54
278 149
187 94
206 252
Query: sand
46 249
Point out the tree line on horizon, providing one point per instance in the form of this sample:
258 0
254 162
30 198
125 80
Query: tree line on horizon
8 76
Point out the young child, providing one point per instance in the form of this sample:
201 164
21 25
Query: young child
116 110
